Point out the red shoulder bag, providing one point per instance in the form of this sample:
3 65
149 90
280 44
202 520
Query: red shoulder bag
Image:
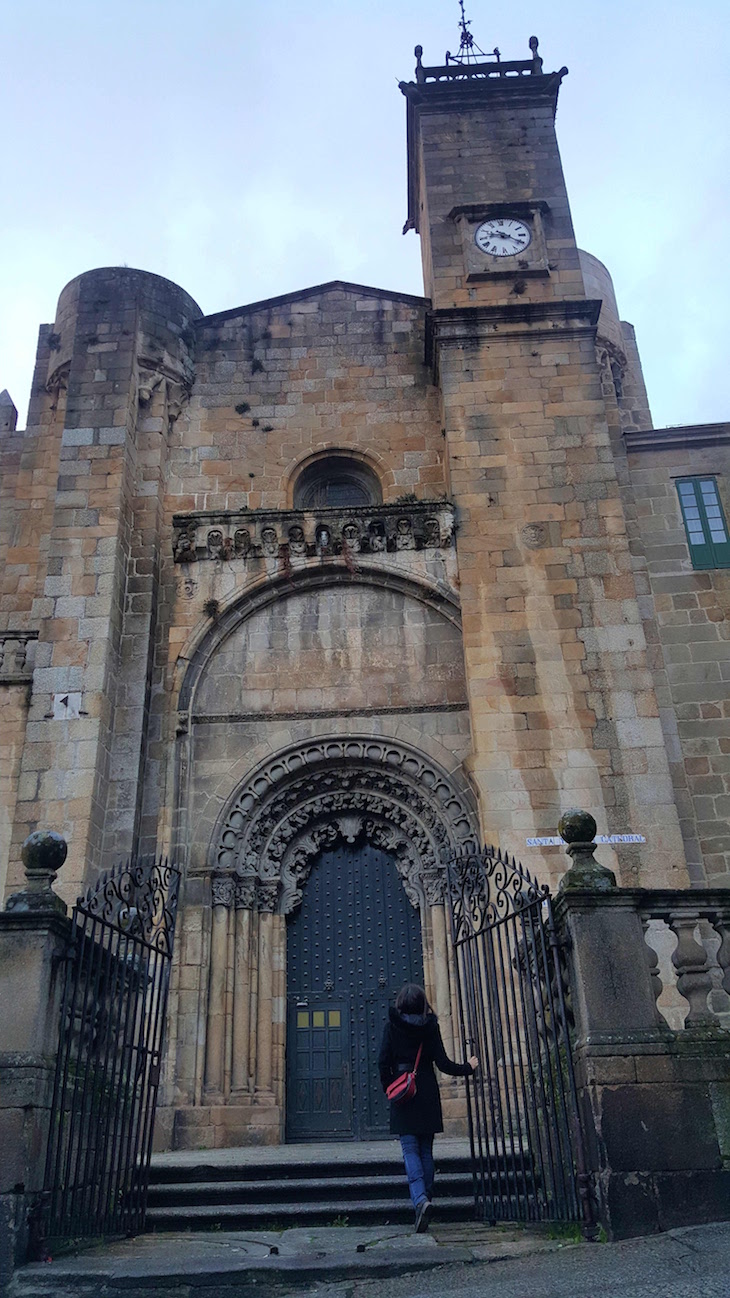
404 1087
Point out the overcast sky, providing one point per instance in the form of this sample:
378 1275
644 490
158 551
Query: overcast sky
249 149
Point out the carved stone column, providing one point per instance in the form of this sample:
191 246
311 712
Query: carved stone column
244 897
442 982
267 898
222 888
279 1007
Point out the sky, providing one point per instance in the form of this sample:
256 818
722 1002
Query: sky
246 149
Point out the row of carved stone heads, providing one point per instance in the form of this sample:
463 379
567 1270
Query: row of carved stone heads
376 537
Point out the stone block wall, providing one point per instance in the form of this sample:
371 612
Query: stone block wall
116 332
562 697
688 611
479 146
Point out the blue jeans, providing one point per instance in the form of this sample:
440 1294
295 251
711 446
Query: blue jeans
418 1162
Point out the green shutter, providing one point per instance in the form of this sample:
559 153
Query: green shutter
715 522
704 522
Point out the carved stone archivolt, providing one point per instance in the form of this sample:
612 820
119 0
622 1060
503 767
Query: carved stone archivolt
313 796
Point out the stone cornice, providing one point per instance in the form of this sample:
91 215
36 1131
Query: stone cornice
478 211
684 437
45 921
533 319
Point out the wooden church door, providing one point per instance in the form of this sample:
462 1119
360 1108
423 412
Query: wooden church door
350 946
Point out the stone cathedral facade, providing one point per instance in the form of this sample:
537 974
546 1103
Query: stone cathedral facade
311 593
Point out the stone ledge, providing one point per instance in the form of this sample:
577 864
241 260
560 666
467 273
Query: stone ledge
685 437
293 535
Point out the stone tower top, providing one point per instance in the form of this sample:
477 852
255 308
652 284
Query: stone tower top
8 413
481 152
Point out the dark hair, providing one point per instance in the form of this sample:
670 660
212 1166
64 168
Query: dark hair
411 999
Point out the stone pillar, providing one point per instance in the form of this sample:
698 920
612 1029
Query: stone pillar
441 975
267 898
429 977
34 935
240 1072
279 1008
652 1102
222 894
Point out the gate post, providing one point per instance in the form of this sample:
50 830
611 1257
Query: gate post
653 1102
34 936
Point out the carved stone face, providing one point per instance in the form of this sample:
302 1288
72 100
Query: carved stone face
241 541
297 544
215 543
404 537
431 532
350 534
269 540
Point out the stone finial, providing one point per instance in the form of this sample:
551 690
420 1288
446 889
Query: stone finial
578 829
43 853
8 413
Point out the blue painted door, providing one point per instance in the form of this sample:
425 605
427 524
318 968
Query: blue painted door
350 946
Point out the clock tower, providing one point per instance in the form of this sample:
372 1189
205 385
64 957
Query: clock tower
562 704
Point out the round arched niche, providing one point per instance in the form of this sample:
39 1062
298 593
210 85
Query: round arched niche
336 481
346 646
308 797
208 640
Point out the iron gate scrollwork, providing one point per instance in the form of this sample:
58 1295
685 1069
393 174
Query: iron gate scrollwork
523 1112
110 1051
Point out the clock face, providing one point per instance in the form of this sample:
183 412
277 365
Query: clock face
502 237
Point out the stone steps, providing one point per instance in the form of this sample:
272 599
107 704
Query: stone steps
243 1195
243 1190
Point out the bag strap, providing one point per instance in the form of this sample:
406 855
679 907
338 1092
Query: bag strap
418 1059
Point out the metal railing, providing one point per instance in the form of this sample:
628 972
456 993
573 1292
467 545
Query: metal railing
523 1114
109 1057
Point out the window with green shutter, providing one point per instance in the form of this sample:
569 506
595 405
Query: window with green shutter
704 521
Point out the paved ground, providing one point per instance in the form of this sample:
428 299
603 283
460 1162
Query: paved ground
352 1262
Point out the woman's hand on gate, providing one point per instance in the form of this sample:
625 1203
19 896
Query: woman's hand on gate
473 1063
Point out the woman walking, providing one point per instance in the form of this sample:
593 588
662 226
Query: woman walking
412 1027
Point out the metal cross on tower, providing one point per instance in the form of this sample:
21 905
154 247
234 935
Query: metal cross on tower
469 51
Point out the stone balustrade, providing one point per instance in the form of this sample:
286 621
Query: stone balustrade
293 535
688 939
17 656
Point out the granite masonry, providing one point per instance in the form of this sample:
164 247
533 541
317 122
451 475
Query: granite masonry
353 567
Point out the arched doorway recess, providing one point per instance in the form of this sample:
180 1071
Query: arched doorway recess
353 941
386 809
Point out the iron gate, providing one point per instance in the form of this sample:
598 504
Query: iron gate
523 1114
109 1056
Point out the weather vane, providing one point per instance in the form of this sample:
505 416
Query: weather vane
469 51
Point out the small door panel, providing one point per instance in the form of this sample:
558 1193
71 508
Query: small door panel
318 1077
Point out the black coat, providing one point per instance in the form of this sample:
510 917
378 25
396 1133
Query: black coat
422 1115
